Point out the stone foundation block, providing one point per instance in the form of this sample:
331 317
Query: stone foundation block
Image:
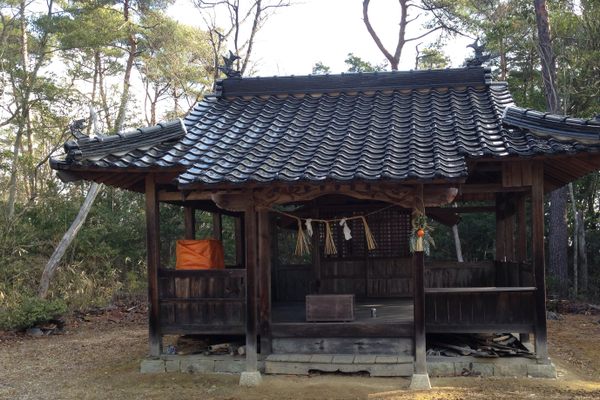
192 365
250 379
482 369
152 366
420 382
230 366
442 368
173 365
541 370
514 370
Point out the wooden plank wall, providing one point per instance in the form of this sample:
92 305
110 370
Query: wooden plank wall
480 312
373 277
204 301
514 274
440 274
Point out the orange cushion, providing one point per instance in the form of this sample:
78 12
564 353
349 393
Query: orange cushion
200 254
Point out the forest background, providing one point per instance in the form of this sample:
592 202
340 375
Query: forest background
113 65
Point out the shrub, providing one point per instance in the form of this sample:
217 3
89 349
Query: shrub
29 311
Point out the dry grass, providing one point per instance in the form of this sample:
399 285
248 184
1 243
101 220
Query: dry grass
100 360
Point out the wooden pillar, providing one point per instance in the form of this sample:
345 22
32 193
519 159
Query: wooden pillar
521 246
537 250
217 226
521 242
264 273
316 251
189 216
153 249
251 286
420 378
419 313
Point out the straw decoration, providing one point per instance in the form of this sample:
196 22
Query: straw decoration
302 243
330 248
371 244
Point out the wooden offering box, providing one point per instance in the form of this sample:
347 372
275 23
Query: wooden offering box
329 307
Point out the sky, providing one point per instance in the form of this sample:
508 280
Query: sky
308 31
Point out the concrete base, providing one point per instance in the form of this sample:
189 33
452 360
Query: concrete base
303 364
485 367
420 382
250 379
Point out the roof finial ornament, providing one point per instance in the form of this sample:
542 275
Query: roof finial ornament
76 127
479 58
228 68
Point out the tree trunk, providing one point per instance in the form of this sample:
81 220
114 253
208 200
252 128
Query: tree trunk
558 199
575 241
24 106
457 246
67 239
557 241
583 260
132 42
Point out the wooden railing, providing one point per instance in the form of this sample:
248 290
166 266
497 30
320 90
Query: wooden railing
202 301
480 309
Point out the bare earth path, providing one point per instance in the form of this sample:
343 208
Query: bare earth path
100 359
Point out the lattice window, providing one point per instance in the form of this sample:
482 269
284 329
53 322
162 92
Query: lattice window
390 228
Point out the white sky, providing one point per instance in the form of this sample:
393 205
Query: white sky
296 37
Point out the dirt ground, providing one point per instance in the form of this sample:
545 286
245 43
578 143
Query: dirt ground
99 359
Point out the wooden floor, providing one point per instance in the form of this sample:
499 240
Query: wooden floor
388 311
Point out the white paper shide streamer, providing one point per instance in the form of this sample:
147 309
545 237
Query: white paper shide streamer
346 229
309 228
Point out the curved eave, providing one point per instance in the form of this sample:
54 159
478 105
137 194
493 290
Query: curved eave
559 127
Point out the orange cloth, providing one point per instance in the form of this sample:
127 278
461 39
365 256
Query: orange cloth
200 254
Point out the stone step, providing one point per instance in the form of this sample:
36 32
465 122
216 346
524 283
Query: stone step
303 364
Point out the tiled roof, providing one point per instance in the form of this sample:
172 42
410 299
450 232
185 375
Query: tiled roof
393 125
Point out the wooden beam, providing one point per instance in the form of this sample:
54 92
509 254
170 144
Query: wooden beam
537 250
419 313
251 286
264 273
477 188
189 217
217 226
338 330
153 249
464 209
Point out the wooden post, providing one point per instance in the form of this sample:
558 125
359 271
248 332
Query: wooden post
264 273
217 226
316 252
419 313
521 243
251 284
153 249
537 250
189 215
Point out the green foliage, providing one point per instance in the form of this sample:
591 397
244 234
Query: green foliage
27 311
477 236
432 57
357 64
320 69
